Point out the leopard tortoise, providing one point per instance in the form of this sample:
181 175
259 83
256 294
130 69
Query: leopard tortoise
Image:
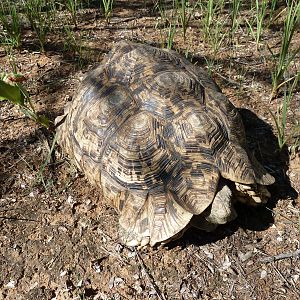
163 143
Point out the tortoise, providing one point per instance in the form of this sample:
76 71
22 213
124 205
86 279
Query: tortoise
166 147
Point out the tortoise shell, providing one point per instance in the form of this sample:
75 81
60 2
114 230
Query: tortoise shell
157 135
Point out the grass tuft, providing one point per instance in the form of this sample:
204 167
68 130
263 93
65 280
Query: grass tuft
286 54
10 21
72 6
40 14
107 6
282 112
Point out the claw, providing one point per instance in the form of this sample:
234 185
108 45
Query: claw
257 199
132 243
145 241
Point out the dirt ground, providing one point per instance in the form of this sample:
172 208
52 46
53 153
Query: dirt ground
58 238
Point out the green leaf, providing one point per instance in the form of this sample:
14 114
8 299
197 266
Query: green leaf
28 113
11 93
44 121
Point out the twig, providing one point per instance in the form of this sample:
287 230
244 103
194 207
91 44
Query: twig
8 119
280 256
104 234
17 219
11 166
233 82
118 257
282 215
51 262
280 275
285 280
207 264
244 276
150 277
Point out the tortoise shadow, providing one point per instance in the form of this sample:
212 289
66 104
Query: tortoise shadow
262 141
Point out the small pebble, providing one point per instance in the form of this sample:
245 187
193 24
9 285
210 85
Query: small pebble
244 257
131 254
70 200
263 274
111 282
208 253
79 283
118 281
11 284
226 264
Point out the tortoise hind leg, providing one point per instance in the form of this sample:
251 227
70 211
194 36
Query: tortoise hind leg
220 211
133 222
151 218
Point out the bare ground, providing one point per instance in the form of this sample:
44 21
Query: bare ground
59 238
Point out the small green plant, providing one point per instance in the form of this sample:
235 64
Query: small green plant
39 176
166 23
185 12
108 8
210 64
213 24
295 147
260 14
72 7
282 112
209 15
11 24
188 55
160 8
171 35
12 90
73 44
235 9
216 36
210 12
40 14
272 10
286 55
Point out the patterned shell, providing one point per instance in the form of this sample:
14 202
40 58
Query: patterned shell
156 134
